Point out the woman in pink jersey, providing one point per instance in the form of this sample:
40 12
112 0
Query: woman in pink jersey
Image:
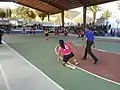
66 52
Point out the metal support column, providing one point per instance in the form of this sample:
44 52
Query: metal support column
84 16
62 16
48 17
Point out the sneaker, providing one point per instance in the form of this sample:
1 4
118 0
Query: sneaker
72 67
66 65
83 58
77 63
95 62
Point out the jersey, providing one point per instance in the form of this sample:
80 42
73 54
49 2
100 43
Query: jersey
65 51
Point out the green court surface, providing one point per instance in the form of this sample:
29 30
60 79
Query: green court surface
41 53
111 46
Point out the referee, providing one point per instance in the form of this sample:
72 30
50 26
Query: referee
88 42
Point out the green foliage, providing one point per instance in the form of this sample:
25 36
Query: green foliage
41 15
2 13
58 18
25 13
94 10
106 14
31 15
13 11
21 12
8 12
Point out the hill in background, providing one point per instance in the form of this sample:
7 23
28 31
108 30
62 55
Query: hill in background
71 14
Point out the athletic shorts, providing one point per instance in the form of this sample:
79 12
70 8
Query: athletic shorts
30 32
46 34
67 57
82 35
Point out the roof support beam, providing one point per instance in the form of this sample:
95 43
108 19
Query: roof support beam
101 2
48 17
62 17
82 2
84 16
48 2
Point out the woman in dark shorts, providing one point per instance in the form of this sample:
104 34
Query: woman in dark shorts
46 33
65 50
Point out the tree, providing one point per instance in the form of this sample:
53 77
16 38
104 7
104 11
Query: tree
94 10
41 15
25 13
31 15
58 19
13 11
2 13
106 14
21 12
8 12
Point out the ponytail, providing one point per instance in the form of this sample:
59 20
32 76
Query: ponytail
61 42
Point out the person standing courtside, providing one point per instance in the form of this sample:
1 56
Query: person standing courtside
1 34
46 33
88 42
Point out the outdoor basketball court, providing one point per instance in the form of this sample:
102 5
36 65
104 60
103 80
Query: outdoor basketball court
30 63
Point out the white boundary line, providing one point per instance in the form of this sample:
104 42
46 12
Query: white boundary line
102 50
35 68
90 72
107 51
5 79
100 37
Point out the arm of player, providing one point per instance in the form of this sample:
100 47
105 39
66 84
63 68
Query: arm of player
73 49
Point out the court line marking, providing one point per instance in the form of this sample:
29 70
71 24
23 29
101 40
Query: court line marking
99 37
5 78
35 67
111 81
102 50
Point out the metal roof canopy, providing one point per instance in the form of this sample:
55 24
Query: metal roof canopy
56 6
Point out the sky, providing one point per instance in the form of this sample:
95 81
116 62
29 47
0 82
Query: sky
8 5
